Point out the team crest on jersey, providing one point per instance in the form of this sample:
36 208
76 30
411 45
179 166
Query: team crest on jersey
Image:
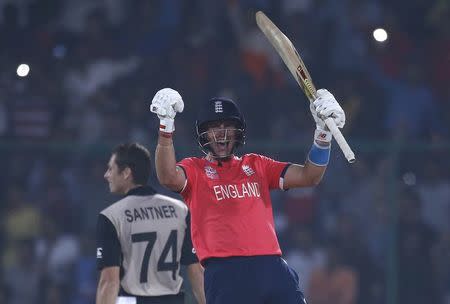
247 170
211 172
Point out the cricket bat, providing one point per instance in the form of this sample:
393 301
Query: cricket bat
295 64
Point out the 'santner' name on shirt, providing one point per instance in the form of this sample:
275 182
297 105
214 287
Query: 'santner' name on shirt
150 213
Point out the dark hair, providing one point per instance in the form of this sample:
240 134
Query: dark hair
137 158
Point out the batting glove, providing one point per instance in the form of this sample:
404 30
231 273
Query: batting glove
166 104
324 106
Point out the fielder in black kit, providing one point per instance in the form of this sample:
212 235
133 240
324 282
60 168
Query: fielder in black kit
143 238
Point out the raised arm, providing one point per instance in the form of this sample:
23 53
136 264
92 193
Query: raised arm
166 103
312 172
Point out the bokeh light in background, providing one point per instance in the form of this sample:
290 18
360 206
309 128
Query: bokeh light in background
23 69
380 35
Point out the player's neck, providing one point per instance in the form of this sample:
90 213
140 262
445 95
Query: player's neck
131 187
219 161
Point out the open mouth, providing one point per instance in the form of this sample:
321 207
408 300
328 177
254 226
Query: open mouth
222 147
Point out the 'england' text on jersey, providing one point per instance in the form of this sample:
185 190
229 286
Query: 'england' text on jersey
150 213
237 191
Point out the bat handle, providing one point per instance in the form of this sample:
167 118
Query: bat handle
348 153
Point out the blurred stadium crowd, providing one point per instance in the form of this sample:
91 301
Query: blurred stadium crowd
377 231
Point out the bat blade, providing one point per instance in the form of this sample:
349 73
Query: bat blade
288 53
296 66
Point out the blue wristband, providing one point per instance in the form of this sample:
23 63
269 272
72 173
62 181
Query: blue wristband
318 155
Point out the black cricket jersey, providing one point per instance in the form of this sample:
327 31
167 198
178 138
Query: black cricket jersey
148 236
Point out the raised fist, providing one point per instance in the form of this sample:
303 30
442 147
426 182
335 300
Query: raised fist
323 107
326 106
166 104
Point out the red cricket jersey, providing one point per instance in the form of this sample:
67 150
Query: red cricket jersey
231 209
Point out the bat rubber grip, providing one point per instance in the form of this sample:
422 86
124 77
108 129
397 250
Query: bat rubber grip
348 153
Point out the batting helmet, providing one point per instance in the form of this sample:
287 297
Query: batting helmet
219 109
